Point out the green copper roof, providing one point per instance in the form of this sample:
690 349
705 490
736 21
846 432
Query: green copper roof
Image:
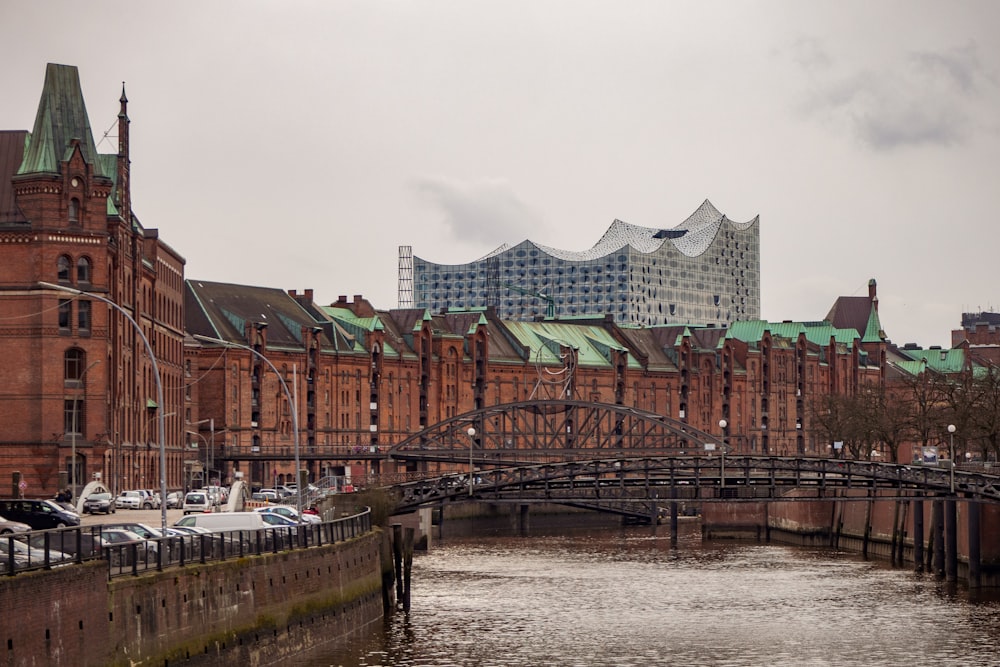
62 117
359 327
942 361
818 333
873 332
543 339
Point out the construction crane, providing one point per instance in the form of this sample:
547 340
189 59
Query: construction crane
550 307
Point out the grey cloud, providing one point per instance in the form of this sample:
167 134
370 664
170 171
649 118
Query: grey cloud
929 99
483 212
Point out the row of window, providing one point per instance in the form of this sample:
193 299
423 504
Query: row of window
64 269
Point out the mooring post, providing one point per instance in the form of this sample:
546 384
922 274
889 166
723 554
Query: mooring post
975 544
673 522
397 558
407 565
951 539
918 535
522 520
937 528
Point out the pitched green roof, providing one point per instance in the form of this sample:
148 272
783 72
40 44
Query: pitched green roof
62 117
593 343
942 361
818 333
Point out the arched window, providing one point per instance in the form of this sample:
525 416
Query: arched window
83 270
74 211
62 266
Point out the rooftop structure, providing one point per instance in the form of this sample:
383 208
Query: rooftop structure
706 270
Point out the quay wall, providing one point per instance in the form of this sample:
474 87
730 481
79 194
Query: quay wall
254 610
874 527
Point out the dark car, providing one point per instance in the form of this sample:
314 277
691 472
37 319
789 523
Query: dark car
39 514
102 503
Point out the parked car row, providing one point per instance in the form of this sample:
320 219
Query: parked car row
39 514
139 499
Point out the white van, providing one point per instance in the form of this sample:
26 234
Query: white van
220 522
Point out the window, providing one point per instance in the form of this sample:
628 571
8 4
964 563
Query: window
74 211
65 314
83 270
83 315
73 365
73 416
62 266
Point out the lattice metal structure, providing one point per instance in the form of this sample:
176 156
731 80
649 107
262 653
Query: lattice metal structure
404 295
704 271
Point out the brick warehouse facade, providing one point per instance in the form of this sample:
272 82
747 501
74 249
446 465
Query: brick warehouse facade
75 374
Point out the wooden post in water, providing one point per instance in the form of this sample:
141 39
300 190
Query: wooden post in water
975 544
522 521
937 529
918 535
397 558
868 528
951 539
407 566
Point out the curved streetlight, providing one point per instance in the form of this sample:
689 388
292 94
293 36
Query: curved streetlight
951 454
159 389
472 442
288 395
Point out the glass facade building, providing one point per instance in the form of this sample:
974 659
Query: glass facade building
704 271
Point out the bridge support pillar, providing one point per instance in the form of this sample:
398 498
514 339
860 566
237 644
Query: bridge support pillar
673 522
951 539
975 545
918 535
522 519
937 532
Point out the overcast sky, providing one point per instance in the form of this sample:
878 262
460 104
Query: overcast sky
298 144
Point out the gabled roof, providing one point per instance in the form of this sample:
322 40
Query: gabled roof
62 117
851 312
936 359
222 310
544 339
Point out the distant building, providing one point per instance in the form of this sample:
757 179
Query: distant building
704 271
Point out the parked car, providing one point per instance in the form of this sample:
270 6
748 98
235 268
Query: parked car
174 499
28 556
7 526
39 514
274 520
267 495
90 544
99 503
129 500
147 533
224 521
198 501
150 499
289 513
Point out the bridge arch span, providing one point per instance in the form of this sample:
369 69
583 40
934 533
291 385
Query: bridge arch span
540 431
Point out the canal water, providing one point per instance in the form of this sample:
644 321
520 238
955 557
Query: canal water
627 597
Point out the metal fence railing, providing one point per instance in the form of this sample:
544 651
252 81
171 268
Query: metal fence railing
48 549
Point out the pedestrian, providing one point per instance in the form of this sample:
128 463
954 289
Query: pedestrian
69 495
61 497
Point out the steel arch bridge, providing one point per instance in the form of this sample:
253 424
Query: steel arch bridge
550 431
618 459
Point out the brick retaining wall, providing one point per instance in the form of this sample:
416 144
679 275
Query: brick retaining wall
255 609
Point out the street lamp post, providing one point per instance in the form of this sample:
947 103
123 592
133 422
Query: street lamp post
951 447
74 431
472 442
722 456
156 378
288 395
209 448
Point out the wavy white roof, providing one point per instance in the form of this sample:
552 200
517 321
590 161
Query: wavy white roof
692 237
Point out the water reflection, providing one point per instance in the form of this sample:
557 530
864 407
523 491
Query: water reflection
626 597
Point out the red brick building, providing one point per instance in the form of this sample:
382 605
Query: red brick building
75 375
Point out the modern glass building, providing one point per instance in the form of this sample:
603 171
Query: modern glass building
706 270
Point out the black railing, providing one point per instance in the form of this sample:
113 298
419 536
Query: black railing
47 549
